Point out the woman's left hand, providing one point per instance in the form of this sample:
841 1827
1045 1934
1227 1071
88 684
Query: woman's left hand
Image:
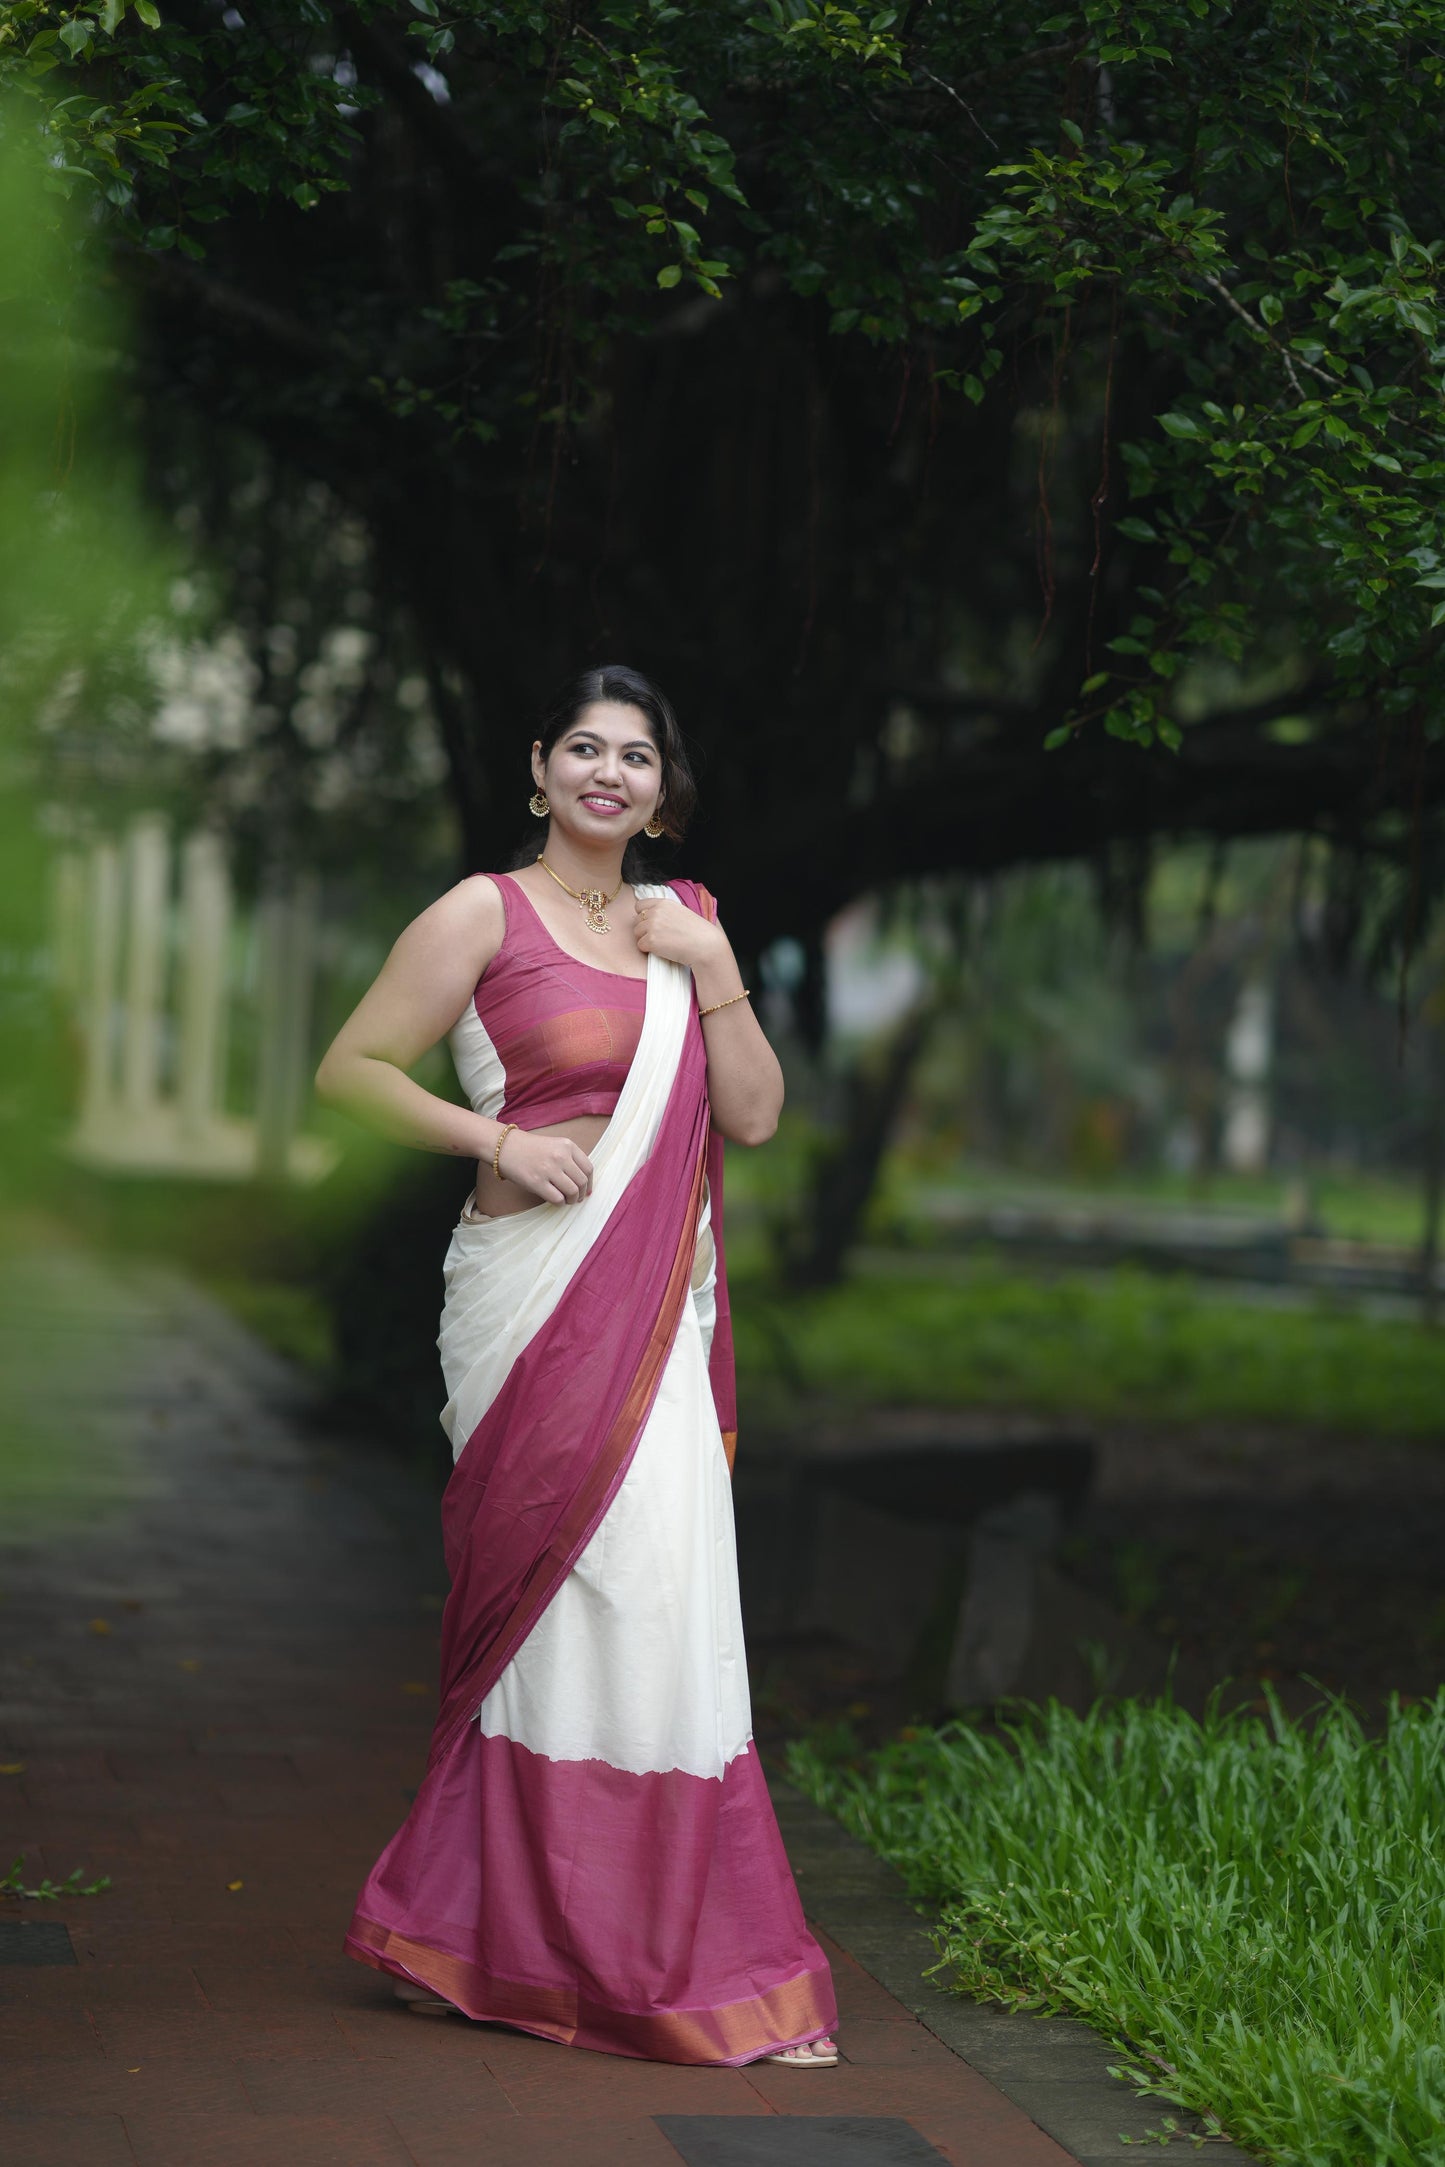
664 926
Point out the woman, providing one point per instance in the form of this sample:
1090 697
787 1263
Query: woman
592 1855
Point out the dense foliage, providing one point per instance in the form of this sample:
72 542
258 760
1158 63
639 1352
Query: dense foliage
940 381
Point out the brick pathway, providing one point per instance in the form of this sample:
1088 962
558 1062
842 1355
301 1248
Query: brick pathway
218 1694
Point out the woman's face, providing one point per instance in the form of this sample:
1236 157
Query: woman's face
603 777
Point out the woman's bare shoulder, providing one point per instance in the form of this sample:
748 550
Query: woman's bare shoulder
468 920
477 898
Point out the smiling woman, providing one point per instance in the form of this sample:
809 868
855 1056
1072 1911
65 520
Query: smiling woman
653 770
592 1855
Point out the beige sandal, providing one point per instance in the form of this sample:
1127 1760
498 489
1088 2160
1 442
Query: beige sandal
796 2058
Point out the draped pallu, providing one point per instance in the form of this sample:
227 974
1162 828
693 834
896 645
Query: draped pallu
592 1854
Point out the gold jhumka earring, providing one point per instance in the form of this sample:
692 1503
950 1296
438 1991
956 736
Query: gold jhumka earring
537 803
655 827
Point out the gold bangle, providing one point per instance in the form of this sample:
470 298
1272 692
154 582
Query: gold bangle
497 1154
724 1004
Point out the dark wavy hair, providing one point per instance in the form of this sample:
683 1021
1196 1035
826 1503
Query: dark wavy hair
629 688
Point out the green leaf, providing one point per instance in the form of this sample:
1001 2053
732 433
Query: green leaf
149 13
76 36
1074 133
1096 683
1271 308
1437 615
1179 424
1136 530
1058 737
669 274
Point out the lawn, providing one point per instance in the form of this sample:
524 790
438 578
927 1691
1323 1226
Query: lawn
1121 1344
970 1330
1357 1205
1251 1910
1361 1204
1087 1346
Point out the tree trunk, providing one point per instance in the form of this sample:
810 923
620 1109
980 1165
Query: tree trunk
845 1170
1434 1169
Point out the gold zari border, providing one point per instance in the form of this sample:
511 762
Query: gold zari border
785 2015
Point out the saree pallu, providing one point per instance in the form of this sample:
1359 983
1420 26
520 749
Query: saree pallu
592 1855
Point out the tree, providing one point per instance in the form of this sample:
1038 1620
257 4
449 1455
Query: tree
913 393
1011 433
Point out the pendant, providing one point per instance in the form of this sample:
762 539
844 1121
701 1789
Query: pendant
593 902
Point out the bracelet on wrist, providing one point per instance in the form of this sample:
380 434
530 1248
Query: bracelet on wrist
497 1154
716 1005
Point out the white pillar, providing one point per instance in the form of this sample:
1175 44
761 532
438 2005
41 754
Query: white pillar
68 899
147 881
103 960
1249 1047
287 925
206 923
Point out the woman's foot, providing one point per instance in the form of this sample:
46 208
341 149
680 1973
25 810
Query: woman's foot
814 2054
422 2001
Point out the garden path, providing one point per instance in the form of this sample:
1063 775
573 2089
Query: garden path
216 1687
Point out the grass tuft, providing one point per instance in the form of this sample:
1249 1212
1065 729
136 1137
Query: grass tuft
46 1891
1251 1908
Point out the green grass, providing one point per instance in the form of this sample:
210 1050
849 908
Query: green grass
1122 1344
1252 1910
1358 1205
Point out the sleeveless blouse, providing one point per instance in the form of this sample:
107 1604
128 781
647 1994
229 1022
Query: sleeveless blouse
544 1037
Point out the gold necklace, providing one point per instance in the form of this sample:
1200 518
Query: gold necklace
593 901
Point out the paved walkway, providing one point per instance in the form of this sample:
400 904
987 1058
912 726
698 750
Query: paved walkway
219 1693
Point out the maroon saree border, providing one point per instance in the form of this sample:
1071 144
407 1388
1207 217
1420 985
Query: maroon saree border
722 1372
790 2014
589 1502
542 1469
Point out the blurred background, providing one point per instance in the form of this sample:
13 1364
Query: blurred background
1022 471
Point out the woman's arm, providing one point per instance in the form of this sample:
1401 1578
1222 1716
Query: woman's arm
421 989
417 996
744 1080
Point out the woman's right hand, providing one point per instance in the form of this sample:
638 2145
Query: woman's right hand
551 1168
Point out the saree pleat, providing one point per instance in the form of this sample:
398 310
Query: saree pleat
592 1854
